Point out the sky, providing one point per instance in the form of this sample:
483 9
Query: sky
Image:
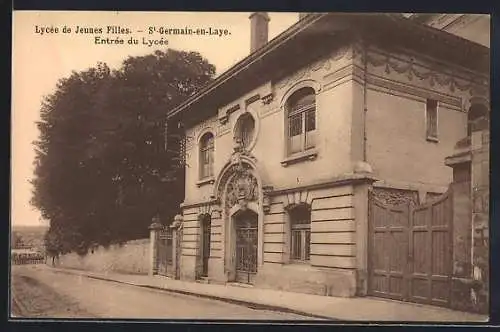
44 52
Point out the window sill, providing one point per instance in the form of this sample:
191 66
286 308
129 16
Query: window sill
204 181
301 156
432 139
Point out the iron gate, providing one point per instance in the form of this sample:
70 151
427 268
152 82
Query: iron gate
206 246
178 240
410 251
165 252
246 249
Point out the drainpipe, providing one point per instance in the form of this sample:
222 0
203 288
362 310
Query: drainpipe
365 106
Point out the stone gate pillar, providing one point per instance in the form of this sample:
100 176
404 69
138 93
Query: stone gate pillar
470 163
176 245
480 179
154 234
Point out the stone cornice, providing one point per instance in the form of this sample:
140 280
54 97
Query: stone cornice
190 205
395 86
458 158
346 179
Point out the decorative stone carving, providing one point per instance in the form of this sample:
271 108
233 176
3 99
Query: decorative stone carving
242 188
267 99
189 142
357 52
177 221
266 199
411 69
242 185
225 117
216 213
396 196
252 99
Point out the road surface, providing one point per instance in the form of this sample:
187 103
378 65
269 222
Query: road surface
41 292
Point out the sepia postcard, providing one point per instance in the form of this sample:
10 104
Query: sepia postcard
255 166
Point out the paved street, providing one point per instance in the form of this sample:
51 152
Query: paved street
39 292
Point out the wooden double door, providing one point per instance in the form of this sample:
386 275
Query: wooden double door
410 251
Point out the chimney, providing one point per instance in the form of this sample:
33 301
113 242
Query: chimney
259 25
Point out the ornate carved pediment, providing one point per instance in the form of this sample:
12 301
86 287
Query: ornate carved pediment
241 189
242 185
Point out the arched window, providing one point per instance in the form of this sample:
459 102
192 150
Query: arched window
245 127
301 115
207 155
300 232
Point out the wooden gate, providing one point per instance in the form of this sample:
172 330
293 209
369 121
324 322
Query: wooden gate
246 248
410 250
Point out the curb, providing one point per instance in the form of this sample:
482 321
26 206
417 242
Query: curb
245 303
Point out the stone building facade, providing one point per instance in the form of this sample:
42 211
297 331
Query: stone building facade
286 147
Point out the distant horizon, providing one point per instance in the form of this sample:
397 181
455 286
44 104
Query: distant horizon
29 226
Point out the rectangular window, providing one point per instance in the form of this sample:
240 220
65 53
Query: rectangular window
207 161
296 244
302 131
432 119
301 238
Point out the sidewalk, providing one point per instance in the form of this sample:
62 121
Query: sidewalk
332 308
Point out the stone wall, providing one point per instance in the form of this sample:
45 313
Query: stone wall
130 257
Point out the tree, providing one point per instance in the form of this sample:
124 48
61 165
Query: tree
16 241
101 162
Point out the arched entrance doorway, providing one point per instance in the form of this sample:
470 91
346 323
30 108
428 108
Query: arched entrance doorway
246 229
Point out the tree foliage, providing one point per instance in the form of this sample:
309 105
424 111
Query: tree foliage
101 168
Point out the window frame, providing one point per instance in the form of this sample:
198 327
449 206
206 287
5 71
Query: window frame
302 113
432 135
240 128
303 227
206 151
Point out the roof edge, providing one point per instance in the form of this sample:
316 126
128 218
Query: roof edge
248 60
291 32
